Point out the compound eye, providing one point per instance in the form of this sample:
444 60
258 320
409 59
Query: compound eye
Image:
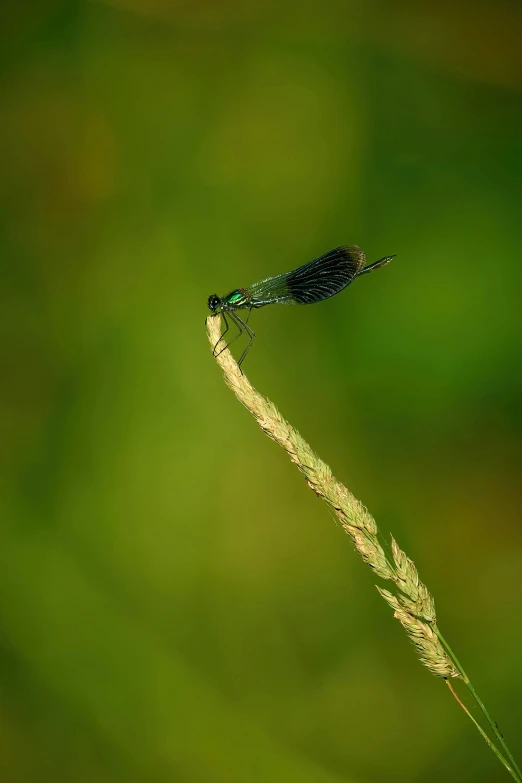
213 302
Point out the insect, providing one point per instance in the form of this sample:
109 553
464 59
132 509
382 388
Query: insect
317 280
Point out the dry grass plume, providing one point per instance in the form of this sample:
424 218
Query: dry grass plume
411 602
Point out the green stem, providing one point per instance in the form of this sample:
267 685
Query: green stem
483 733
514 769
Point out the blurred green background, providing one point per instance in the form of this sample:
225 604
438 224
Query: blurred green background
175 604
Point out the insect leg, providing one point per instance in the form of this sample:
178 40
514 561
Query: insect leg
240 332
251 334
224 333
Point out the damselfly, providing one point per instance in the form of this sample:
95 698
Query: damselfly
317 280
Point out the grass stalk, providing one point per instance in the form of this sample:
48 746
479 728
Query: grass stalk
412 604
515 771
481 731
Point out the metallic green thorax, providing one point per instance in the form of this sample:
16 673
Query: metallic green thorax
236 299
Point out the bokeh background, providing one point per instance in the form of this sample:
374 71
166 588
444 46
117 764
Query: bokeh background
175 604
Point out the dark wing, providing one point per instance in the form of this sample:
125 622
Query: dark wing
327 275
317 280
